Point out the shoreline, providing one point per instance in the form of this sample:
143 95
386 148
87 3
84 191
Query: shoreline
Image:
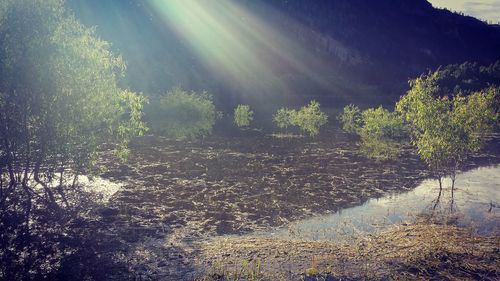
422 250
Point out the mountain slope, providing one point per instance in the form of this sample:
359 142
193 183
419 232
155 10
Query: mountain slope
406 36
343 50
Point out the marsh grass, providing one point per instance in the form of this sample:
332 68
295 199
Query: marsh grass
247 271
421 251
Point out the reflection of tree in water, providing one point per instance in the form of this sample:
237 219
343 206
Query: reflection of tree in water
438 199
444 211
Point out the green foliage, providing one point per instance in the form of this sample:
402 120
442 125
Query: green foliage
60 97
284 118
382 133
179 114
351 119
310 118
59 101
447 130
243 115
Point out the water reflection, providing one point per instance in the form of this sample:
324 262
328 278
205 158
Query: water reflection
101 187
475 203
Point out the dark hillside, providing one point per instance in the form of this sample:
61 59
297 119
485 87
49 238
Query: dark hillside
405 37
354 48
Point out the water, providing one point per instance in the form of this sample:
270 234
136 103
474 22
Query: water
178 193
104 188
475 204
191 190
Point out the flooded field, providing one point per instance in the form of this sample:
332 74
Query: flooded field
177 193
475 204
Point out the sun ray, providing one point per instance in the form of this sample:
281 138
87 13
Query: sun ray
243 48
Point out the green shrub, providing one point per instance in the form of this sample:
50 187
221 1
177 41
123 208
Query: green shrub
284 118
60 100
310 118
351 119
243 115
381 134
180 114
446 130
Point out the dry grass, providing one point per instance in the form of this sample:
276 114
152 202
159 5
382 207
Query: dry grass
408 252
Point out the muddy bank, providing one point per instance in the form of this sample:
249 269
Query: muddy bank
404 252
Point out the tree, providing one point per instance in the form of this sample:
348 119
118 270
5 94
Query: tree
59 100
382 133
283 118
447 129
243 115
310 118
180 114
351 119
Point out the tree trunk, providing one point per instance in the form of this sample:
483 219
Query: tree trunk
46 188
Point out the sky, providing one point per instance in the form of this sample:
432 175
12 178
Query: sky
483 9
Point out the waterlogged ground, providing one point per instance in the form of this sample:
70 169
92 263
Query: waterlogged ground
475 204
176 192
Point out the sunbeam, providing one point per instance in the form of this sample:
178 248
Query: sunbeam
242 48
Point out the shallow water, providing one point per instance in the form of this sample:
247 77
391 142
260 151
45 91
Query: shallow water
103 188
178 193
191 190
475 204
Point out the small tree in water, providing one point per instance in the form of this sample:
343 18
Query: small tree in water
382 133
179 114
351 119
310 118
284 118
446 130
243 115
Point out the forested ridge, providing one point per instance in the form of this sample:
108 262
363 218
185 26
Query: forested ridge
357 39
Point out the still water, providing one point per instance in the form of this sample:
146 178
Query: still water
475 204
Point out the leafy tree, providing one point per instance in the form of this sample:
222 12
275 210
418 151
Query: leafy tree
351 119
447 129
382 133
310 118
179 113
284 118
243 115
59 100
